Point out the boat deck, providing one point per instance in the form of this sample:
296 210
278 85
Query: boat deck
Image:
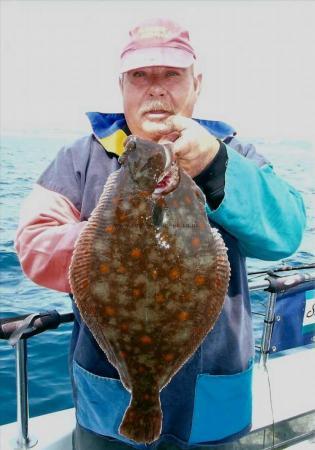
290 379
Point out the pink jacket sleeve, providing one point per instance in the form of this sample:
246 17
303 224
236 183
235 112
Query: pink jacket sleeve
48 229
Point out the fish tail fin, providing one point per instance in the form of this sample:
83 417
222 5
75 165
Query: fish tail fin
142 421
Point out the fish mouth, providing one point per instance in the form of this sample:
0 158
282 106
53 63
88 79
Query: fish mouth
168 181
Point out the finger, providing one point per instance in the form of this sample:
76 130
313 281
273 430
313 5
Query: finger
170 137
183 148
179 123
175 123
183 164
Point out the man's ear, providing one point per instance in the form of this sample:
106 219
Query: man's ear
121 76
198 83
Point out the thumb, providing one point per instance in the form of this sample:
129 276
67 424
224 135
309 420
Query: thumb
170 137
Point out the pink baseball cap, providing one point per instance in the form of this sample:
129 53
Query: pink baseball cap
157 42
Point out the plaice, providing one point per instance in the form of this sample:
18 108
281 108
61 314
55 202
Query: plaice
149 276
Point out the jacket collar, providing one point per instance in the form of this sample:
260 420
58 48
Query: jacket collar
111 130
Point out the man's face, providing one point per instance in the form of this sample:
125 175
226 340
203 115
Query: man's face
152 94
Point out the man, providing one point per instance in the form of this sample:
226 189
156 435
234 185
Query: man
258 215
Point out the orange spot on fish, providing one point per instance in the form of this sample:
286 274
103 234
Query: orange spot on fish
121 269
84 284
110 311
109 229
141 369
124 326
122 354
174 273
146 340
136 253
183 315
146 397
196 242
159 298
202 225
200 280
175 204
168 357
104 268
136 292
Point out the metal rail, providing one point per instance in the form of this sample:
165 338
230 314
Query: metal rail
275 283
283 268
17 330
24 440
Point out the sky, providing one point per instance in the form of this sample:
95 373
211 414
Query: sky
60 59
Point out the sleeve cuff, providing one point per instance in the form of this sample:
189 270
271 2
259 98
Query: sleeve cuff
212 179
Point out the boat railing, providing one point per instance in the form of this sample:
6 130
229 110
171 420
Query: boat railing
282 313
279 283
17 330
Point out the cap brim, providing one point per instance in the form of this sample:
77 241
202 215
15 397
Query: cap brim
156 56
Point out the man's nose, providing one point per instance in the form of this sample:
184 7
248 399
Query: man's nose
156 89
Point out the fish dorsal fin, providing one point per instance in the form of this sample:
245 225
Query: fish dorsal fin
81 258
80 269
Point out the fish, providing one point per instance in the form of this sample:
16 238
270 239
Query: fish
149 276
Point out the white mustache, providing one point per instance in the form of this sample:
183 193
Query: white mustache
156 105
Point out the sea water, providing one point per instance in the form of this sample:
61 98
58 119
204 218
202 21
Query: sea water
23 159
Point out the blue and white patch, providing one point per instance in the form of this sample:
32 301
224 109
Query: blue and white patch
309 312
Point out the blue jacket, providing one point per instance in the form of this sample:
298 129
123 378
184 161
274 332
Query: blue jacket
261 216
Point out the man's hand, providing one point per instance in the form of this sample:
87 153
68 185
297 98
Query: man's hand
194 147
